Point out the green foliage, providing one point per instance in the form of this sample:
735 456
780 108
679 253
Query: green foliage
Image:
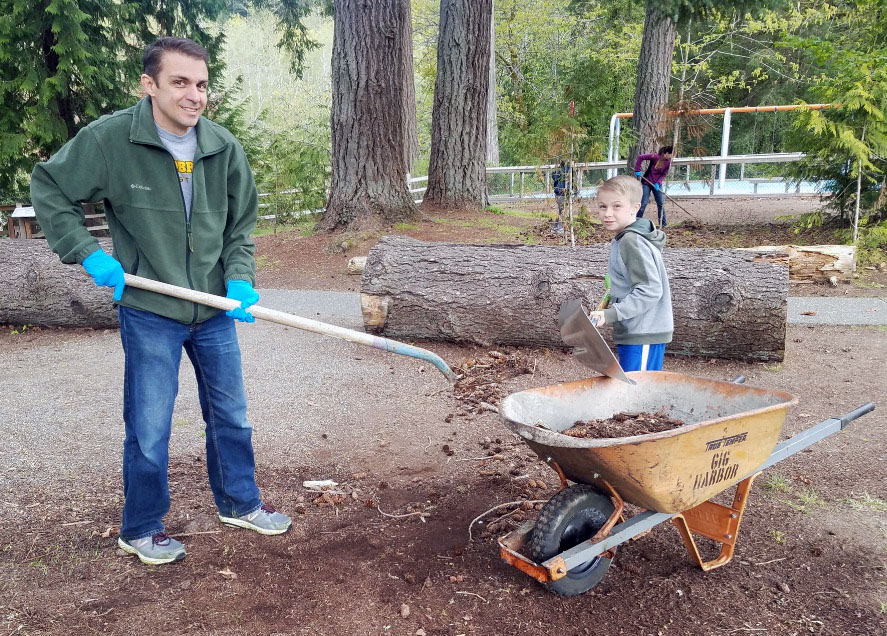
584 223
286 118
865 502
64 63
294 35
851 139
871 243
552 52
778 536
294 172
778 483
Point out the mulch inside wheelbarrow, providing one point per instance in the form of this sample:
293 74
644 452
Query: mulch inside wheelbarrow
624 425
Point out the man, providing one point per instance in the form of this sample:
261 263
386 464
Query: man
181 202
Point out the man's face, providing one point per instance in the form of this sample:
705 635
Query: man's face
178 94
616 210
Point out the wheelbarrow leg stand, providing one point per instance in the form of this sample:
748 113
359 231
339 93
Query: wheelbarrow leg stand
714 521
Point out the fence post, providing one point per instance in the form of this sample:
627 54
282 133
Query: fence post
511 187
725 147
521 185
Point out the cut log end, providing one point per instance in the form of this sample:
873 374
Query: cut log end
375 312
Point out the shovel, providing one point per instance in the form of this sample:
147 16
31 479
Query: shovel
578 331
291 320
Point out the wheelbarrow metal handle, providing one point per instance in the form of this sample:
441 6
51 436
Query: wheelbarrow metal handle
292 320
859 411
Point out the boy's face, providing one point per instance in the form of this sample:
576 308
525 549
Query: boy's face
178 95
616 210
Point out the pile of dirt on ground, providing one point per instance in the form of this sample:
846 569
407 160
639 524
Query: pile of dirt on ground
624 425
479 387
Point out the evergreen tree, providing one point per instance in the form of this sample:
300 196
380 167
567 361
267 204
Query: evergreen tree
846 146
656 56
64 63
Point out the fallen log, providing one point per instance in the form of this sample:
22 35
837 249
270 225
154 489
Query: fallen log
39 290
811 263
727 303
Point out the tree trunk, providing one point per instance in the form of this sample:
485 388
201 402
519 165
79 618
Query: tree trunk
368 186
492 121
727 303
457 169
39 290
411 134
654 77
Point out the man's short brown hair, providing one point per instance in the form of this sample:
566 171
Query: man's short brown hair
154 53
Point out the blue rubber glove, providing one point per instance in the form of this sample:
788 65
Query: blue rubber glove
638 174
241 290
106 271
656 187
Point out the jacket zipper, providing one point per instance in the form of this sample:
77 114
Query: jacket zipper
189 245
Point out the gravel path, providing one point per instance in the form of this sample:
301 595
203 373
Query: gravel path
300 386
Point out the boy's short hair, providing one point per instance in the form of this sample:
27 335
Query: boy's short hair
154 53
625 185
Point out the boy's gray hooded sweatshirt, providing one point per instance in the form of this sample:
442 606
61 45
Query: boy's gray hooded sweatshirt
640 298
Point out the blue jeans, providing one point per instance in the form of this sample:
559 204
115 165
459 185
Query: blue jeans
660 202
152 347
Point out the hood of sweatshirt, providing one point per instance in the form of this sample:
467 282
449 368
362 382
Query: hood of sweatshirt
645 228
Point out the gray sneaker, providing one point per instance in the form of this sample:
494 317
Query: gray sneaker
157 549
264 520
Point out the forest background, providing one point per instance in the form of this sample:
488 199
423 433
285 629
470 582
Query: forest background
271 64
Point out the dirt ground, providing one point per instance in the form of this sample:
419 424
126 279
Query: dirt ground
402 544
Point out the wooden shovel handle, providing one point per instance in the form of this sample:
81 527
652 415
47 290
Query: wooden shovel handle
291 320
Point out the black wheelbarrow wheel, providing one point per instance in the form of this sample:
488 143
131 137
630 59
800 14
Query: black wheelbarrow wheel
572 516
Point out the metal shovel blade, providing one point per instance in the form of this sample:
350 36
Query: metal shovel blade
578 331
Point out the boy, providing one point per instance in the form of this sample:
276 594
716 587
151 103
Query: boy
640 305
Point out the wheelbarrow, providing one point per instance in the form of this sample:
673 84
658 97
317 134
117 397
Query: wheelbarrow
729 436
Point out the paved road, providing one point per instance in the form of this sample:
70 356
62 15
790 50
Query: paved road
837 311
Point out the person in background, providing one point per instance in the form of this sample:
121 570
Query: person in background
651 180
181 205
640 298
560 180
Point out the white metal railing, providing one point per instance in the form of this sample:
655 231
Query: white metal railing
714 184
675 186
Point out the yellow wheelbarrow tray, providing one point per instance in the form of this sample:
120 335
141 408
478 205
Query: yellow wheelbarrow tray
729 436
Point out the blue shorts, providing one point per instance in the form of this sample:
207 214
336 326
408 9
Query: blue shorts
641 357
